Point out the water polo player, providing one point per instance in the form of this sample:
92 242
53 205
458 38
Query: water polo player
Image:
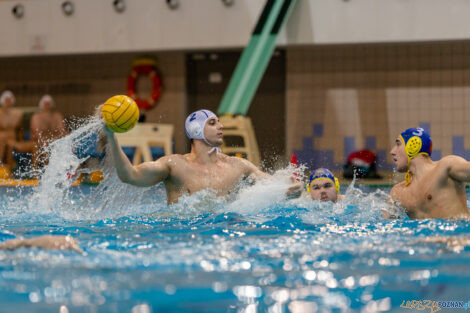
204 167
323 186
431 189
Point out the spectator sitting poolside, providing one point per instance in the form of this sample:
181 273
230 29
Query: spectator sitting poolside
47 125
10 127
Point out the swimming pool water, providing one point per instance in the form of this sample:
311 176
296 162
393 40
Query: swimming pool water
287 256
253 251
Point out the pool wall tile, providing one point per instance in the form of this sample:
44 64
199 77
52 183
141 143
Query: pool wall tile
363 98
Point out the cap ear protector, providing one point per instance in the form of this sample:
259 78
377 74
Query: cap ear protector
320 174
413 146
194 130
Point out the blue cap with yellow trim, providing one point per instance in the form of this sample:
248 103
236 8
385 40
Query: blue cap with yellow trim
320 173
416 141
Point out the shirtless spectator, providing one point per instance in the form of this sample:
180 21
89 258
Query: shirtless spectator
10 126
47 125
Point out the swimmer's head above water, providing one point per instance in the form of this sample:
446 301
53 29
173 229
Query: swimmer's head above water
204 125
411 143
323 185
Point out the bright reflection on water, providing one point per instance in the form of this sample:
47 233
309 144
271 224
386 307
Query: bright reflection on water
253 251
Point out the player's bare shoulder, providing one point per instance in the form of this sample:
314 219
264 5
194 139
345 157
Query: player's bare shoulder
238 162
446 163
173 160
397 190
450 160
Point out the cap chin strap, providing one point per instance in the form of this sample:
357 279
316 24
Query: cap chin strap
408 177
408 173
214 148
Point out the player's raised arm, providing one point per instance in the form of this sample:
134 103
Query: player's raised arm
459 168
142 175
120 114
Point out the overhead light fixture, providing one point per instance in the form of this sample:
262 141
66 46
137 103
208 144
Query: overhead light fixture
68 8
18 11
228 2
119 5
173 4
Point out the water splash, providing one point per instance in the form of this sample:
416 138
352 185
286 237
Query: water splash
57 197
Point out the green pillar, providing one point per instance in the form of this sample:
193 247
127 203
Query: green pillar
255 58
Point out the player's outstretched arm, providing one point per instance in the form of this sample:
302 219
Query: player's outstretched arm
294 191
143 175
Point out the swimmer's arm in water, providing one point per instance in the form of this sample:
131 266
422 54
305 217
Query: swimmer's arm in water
255 173
143 175
44 242
458 168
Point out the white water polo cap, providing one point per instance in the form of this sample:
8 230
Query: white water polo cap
7 94
44 100
194 126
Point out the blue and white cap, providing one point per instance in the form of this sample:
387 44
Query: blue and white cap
194 126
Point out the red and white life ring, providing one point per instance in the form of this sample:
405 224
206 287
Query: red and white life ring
147 67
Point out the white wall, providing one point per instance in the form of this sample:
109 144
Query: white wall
145 25
361 21
200 24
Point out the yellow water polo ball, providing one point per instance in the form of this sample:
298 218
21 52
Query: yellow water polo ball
120 113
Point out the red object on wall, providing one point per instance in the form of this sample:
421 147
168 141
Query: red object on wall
365 155
295 163
145 67
293 160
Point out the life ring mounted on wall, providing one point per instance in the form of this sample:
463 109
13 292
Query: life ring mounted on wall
144 67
